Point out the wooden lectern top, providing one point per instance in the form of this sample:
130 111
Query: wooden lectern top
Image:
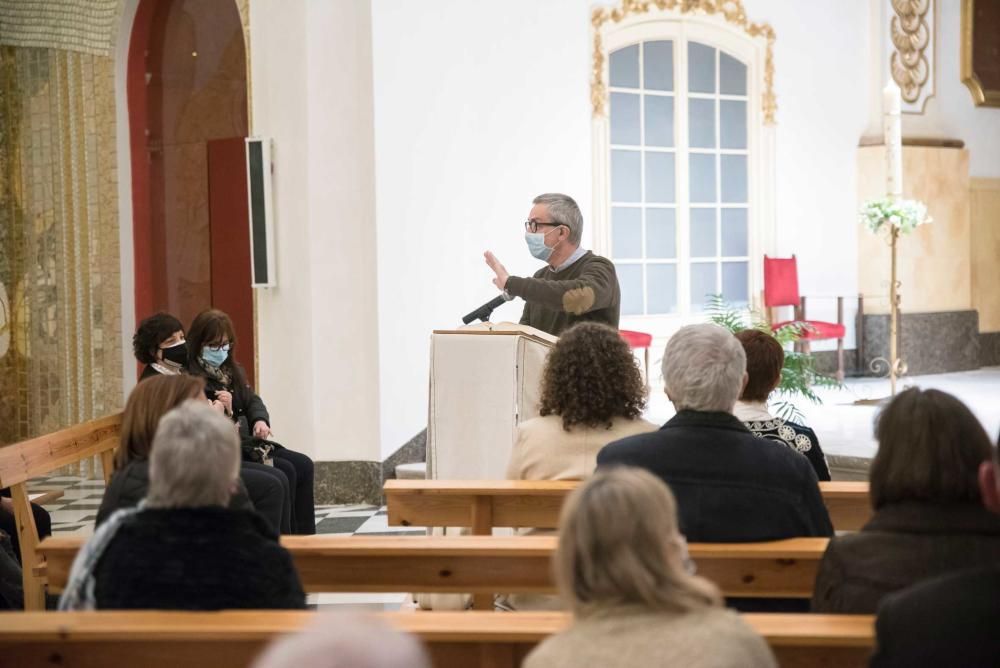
504 329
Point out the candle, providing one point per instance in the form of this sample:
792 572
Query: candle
893 134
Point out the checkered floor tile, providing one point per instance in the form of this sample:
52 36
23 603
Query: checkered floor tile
76 510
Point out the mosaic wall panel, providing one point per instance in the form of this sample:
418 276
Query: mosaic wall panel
60 300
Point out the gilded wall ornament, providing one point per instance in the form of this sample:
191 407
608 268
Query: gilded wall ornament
731 10
911 33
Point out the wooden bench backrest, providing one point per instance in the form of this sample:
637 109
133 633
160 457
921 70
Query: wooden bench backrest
22 461
484 504
491 564
19 462
231 639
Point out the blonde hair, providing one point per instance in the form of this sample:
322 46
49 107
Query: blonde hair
619 545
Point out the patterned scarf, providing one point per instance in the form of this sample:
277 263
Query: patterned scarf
216 373
79 593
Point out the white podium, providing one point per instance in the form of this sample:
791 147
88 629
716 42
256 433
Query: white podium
485 380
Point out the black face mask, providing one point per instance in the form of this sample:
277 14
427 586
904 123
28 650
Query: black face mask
177 354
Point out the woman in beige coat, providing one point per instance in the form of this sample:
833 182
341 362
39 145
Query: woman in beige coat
622 567
592 394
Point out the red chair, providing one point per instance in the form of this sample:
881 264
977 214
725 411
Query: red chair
638 340
781 288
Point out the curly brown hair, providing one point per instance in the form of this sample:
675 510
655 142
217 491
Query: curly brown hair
591 377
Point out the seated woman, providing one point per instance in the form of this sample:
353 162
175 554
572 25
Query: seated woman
182 549
159 343
149 401
929 519
765 358
212 343
11 576
592 394
622 567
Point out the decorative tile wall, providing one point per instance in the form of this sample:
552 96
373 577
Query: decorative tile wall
59 248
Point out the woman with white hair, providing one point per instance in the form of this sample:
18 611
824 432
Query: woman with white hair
623 568
181 548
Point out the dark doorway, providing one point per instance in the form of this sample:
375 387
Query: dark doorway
187 94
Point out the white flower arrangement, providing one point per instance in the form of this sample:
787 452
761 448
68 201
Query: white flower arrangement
905 215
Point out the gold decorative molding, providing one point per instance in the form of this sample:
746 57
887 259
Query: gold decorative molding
731 10
980 95
910 36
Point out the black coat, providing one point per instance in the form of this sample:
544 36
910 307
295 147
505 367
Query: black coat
129 486
208 558
248 408
730 485
903 544
795 436
948 621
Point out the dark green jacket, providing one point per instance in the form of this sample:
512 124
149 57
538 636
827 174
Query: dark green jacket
587 290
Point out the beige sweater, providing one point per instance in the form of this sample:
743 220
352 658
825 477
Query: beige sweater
714 638
546 451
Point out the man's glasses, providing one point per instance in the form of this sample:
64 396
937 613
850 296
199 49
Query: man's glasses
533 225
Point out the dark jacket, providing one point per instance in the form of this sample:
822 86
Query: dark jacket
248 408
901 545
208 558
795 436
129 486
948 621
585 291
730 485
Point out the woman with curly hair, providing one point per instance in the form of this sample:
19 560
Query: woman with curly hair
592 394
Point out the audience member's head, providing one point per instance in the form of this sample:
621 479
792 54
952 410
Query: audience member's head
195 460
591 377
149 401
704 369
619 545
211 341
765 358
340 640
989 481
930 448
157 334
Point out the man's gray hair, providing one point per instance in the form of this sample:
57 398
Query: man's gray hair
195 458
345 640
564 211
703 368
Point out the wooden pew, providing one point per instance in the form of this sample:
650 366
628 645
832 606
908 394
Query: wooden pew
19 462
484 504
492 564
232 639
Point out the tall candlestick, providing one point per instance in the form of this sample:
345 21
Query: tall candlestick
892 127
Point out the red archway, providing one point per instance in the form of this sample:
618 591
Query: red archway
187 102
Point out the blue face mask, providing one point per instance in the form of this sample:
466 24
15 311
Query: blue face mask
215 356
537 247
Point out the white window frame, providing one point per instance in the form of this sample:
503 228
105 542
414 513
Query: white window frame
715 32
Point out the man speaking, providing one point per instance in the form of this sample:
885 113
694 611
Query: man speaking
575 285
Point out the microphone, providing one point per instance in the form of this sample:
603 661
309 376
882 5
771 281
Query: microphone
484 311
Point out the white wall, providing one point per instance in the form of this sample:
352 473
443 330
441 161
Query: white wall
311 87
479 106
951 113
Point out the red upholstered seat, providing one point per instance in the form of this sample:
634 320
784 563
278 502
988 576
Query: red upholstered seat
816 330
636 339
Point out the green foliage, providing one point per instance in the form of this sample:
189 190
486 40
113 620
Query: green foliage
798 376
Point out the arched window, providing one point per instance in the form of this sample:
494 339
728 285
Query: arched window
683 163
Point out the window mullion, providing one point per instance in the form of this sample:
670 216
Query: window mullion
682 160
